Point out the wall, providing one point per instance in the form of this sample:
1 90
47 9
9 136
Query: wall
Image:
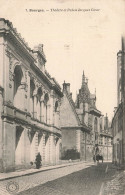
67 117
68 139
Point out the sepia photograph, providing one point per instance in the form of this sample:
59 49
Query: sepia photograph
62 97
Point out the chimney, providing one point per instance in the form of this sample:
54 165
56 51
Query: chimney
66 86
106 122
102 122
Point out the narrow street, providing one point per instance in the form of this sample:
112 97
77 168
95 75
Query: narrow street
80 179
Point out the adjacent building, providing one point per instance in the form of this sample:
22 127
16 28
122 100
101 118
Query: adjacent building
118 122
83 126
29 103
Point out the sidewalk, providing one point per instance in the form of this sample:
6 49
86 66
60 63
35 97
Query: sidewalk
116 186
19 173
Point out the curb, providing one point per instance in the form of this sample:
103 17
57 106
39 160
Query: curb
38 171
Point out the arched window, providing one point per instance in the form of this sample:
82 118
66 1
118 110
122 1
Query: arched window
18 87
39 111
46 98
32 87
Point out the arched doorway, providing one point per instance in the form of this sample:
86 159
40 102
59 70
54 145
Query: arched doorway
47 149
40 143
32 138
19 145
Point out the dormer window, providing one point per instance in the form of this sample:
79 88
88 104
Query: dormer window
40 57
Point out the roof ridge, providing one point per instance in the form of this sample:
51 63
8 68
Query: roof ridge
73 107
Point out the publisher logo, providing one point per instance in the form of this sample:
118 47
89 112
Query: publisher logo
12 187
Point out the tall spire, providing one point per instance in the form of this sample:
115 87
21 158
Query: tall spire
83 78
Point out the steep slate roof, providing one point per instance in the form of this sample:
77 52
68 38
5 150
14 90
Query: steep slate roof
82 125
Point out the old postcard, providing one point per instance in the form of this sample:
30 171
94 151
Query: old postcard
62 97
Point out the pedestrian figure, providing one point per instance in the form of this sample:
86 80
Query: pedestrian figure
38 160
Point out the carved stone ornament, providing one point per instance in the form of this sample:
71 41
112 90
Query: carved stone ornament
37 84
8 103
12 61
26 87
12 58
10 86
11 75
8 51
26 73
56 139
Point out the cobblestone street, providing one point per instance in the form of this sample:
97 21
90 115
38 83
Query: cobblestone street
80 179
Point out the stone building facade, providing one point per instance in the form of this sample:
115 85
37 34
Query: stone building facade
88 127
29 103
73 130
118 122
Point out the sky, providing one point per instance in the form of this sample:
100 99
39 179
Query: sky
77 35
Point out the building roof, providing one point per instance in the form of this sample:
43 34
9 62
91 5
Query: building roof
80 124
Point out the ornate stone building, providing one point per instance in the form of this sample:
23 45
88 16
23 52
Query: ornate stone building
83 125
29 103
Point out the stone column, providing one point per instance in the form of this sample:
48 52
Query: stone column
58 119
43 149
48 113
38 110
27 91
52 152
23 147
27 146
52 107
8 146
2 61
31 107
36 143
57 150
35 106
7 75
42 111
78 141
